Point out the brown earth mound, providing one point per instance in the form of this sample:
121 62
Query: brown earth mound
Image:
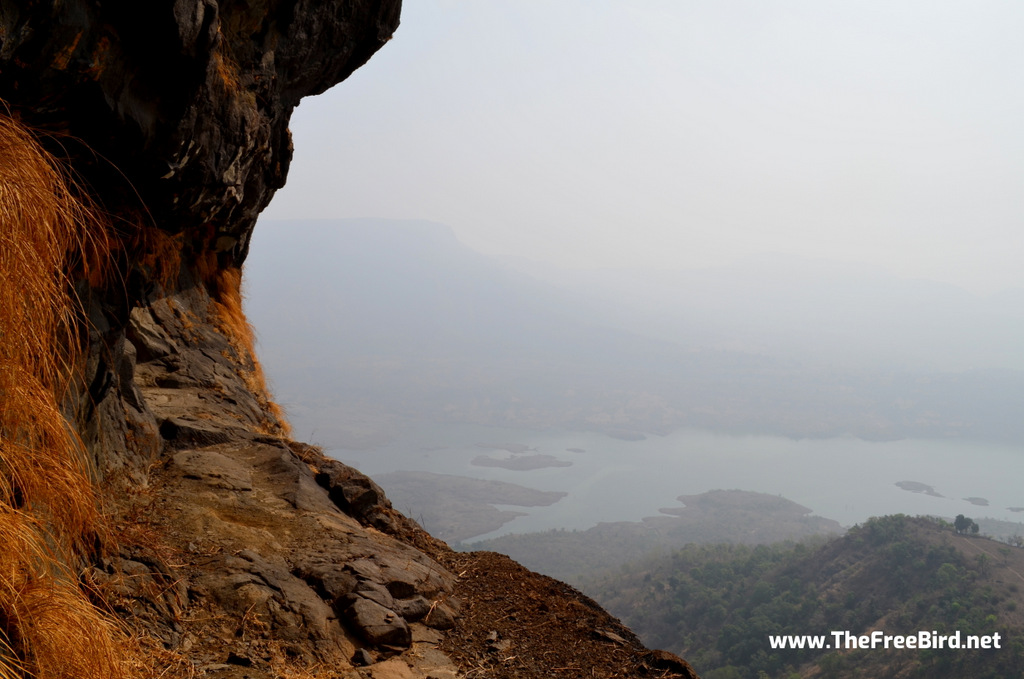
517 624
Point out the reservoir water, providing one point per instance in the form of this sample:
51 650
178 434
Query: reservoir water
845 479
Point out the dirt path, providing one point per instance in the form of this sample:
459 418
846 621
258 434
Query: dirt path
971 542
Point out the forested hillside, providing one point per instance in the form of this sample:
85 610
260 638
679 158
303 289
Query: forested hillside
718 604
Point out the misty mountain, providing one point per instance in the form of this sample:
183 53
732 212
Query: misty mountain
410 288
398 319
823 311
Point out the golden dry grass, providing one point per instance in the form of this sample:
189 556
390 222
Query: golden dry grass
226 290
157 252
48 509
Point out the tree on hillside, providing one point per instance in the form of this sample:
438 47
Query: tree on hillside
962 525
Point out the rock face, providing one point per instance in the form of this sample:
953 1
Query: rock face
182 103
229 550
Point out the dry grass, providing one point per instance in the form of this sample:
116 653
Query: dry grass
149 658
227 71
48 508
49 517
157 252
226 289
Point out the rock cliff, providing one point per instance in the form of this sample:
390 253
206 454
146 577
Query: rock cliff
188 534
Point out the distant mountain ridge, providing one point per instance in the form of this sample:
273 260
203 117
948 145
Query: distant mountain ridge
387 320
830 312
406 277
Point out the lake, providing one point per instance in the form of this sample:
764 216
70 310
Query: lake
845 479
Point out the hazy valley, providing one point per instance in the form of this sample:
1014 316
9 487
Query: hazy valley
418 326
429 350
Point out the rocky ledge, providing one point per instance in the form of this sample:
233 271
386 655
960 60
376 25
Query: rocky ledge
246 554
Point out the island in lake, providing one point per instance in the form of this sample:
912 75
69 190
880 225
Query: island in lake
715 517
455 508
917 487
520 463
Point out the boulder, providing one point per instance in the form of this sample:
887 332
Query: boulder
376 624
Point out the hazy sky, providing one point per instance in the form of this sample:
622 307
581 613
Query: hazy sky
671 133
